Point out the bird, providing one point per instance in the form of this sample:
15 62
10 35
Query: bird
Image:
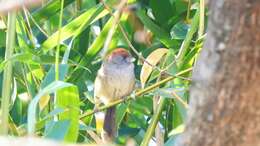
115 80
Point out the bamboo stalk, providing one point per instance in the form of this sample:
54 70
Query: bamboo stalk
58 40
202 18
152 126
7 76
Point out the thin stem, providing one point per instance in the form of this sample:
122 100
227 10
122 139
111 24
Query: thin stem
7 77
177 97
155 119
202 14
58 40
188 11
139 93
186 43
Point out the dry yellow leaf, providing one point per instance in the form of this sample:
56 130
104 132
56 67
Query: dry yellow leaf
44 101
153 59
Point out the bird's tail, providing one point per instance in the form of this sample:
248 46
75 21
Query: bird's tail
110 123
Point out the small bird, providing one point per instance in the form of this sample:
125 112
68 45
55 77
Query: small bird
115 79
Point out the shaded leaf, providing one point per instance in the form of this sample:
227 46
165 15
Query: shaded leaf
56 129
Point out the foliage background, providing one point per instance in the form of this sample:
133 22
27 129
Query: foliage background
58 50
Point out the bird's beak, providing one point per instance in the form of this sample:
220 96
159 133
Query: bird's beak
132 59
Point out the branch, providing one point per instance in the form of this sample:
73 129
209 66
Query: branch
139 93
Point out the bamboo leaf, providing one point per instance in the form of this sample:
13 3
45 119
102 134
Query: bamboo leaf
50 9
32 117
71 29
153 59
68 99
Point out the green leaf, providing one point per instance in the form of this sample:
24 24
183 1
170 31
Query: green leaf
56 129
53 113
68 99
177 130
162 12
93 50
2 38
22 57
71 29
50 77
50 9
163 36
187 41
120 113
179 31
31 119
170 141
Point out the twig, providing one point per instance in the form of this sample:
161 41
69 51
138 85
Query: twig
95 137
179 99
139 93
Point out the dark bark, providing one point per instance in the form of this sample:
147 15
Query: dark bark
225 95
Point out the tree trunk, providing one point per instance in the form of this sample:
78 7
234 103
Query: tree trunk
225 95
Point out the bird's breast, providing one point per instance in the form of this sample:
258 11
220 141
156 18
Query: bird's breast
114 83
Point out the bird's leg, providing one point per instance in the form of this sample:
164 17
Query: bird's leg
132 95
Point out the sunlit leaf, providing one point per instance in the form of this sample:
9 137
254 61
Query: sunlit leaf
153 59
71 29
177 130
44 101
68 99
33 104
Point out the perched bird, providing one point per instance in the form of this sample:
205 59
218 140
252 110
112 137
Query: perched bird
115 79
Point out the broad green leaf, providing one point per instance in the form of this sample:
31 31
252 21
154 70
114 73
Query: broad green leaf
190 57
68 99
143 106
31 119
22 57
56 129
162 12
2 38
171 141
50 77
71 29
181 6
55 112
50 9
93 50
177 116
120 113
177 130
22 37
179 31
